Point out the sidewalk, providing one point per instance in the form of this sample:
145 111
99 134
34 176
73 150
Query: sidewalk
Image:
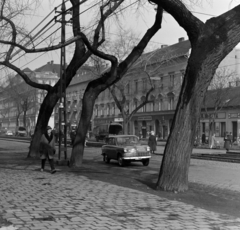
31 200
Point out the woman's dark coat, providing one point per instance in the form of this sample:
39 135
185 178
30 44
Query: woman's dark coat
152 142
47 148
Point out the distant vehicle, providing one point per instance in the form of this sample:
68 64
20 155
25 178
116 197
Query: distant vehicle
124 149
21 132
9 133
101 132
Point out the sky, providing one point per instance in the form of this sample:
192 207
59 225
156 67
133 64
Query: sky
137 22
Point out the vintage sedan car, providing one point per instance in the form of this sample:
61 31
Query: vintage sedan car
124 149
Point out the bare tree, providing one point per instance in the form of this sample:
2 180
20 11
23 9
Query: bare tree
80 56
115 73
20 95
210 42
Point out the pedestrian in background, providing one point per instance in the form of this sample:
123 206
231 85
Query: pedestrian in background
231 139
152 142
227 142
203 138
47 149
213 141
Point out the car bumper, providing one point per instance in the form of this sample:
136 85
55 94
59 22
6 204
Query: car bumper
137 158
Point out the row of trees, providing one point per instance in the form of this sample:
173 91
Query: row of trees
210 42
17 98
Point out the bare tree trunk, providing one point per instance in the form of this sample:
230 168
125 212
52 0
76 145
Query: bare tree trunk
45 113
87 110
125 124
173 174
24 118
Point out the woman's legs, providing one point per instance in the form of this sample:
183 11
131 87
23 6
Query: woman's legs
51 162
43 164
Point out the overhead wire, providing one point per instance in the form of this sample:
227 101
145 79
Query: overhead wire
83 29
35 36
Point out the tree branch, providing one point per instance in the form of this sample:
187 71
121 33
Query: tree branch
26 78
50 48
191 24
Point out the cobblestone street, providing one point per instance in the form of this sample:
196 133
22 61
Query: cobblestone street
31 199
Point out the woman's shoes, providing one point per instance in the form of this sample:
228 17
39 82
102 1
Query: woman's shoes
53 171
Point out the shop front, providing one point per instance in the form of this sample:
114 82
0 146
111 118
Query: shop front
160 124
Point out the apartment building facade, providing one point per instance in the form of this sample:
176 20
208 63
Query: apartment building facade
164 70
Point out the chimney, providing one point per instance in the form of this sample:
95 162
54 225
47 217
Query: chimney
181 39
163 46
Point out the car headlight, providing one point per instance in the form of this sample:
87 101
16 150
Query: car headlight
148 148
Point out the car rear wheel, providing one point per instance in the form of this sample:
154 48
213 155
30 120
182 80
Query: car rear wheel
121 161
106 159
145 162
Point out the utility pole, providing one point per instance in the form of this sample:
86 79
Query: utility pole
62 103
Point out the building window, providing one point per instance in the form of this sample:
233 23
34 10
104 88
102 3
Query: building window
152 106
170 103
171 77
222 129
108 110
144 108
161 82
97 112
136 86
160 105
144 82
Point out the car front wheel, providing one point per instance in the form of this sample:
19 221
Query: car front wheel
145 162
121 161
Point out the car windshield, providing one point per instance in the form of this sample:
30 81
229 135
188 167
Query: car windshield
129 140
21 129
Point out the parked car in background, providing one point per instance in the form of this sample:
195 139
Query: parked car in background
21 131
9 133
124 149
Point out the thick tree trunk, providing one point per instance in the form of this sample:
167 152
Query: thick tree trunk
174 169
86 115
173 174
45 113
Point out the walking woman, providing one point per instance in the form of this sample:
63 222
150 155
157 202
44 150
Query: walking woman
47 149
152 142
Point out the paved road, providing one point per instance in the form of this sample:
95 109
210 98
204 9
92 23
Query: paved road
31 200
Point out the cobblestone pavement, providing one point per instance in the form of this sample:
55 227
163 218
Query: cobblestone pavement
32 200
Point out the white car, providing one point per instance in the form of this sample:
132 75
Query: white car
9 133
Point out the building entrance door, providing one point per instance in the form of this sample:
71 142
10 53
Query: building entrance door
234 130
